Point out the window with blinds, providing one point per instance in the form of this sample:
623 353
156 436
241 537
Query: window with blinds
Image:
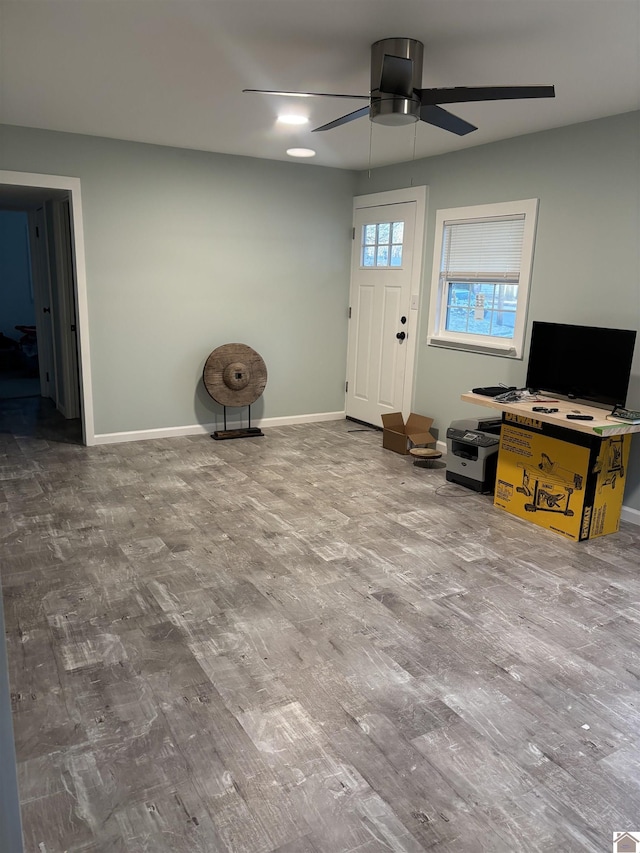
482 266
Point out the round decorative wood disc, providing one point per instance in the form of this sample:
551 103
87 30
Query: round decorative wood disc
235 375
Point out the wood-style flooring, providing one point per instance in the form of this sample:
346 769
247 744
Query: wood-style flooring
302 643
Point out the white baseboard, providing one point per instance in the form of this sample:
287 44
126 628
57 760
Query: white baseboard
631 515
301 419
204 429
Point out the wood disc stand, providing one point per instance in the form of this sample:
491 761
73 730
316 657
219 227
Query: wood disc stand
241 432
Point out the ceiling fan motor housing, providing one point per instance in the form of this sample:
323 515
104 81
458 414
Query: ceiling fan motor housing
392 108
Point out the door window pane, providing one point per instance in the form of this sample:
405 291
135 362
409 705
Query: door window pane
368 256
396 256
382 244
369 237
383 232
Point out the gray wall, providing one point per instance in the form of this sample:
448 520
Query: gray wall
187 251
587 259
16 301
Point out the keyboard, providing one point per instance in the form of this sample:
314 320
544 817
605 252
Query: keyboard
631 415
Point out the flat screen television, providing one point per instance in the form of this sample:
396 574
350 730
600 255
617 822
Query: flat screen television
583 362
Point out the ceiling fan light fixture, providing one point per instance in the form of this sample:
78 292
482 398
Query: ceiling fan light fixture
301 152
290 118
394 112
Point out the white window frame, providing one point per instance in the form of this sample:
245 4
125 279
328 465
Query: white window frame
438 335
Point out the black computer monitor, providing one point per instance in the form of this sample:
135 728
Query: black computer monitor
583 362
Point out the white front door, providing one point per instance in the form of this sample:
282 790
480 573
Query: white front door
382 272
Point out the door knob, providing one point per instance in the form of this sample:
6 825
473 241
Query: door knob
401 336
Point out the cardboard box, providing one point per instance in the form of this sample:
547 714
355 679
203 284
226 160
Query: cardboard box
399 437
566 481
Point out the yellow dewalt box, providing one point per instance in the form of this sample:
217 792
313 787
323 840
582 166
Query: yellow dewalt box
566 481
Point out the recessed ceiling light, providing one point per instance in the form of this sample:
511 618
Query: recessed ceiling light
292 119
301 152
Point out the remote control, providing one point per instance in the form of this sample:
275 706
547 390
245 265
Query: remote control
580 417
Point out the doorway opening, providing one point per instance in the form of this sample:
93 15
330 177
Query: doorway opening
18 341
44 347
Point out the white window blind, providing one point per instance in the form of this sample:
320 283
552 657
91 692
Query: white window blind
483 249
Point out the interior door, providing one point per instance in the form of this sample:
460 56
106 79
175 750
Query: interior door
42 300
380 297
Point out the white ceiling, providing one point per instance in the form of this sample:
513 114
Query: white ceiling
172 71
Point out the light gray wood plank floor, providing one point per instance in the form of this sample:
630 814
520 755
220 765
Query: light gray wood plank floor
302 643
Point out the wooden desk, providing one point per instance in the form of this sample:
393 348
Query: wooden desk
564 475
598 426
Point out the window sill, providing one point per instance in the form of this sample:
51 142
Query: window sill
506 350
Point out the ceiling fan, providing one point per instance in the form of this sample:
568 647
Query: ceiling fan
397 98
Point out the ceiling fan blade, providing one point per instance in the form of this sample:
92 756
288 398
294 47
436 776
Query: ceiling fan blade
306 94
397 76
466 94
447 121
363 111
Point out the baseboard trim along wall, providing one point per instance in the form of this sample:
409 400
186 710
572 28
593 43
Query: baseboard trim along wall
630 514
207 429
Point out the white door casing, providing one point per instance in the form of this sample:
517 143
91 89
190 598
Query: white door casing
67 385
380 366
